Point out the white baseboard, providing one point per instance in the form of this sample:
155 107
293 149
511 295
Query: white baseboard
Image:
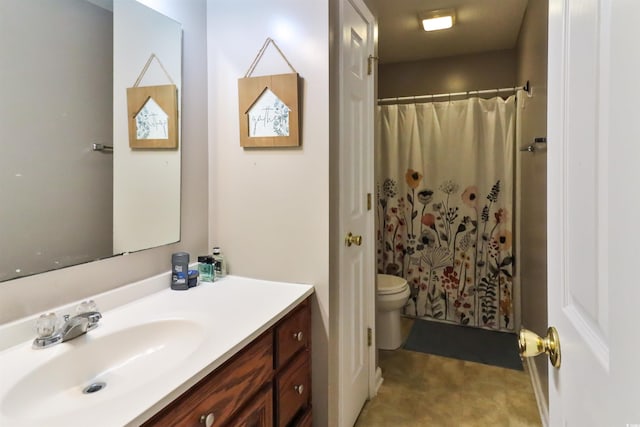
378 382
543 409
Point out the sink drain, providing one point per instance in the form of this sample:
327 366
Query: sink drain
93 388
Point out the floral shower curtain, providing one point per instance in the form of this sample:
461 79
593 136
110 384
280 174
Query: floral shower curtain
445 174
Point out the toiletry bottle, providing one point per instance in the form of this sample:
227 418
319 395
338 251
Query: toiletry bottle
220 265
179 271
205 267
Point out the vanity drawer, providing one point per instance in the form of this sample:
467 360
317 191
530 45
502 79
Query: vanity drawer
293 387
293 333
224 391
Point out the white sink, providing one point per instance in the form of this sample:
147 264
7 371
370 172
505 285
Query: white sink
151 345
124 361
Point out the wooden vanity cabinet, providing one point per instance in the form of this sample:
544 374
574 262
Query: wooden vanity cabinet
259 413
292 388
305 420
293 366
223 392
267 383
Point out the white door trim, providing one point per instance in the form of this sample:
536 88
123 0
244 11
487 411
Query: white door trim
368 305
541 400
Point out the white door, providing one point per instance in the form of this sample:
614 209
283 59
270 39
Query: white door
357 291
593 211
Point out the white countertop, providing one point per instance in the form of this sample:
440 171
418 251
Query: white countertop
235 310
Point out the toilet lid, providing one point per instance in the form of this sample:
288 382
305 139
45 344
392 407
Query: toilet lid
390 284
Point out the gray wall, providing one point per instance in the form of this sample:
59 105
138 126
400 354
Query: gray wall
56 87
532 66
30 295
489 70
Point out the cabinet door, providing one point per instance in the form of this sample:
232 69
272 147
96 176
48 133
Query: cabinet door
259 413
223 392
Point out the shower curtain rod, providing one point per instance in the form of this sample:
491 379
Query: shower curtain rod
526 88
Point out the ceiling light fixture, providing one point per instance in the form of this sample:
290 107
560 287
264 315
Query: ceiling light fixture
437 19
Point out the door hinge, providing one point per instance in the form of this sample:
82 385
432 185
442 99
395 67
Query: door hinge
370 60
368 201
369 337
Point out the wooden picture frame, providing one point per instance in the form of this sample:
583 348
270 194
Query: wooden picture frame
153 117
268 111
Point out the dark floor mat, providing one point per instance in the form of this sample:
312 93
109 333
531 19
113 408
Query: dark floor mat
466 343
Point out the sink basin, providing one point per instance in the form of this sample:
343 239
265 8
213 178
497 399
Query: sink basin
151 346
119 363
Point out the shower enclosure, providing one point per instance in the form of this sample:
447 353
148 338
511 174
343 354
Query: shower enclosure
445 207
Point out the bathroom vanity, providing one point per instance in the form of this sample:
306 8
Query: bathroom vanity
231 353
266 383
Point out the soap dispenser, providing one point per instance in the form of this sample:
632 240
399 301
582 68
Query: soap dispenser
220 264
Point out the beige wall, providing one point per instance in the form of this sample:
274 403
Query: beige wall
532 66
488 70
269 208
33 294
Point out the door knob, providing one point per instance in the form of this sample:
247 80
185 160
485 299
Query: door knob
350 239
531 344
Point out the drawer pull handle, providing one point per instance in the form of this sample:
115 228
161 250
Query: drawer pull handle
298 336
207 420
299 388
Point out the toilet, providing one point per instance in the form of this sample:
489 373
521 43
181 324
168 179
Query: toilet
392 294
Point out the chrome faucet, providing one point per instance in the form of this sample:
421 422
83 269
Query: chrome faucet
72 327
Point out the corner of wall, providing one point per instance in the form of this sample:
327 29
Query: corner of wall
532 66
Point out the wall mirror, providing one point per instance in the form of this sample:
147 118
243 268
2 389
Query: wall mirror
65 67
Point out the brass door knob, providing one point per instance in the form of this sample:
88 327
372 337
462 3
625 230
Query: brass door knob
350 239
531 345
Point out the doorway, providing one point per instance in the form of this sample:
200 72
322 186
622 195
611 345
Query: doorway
452 72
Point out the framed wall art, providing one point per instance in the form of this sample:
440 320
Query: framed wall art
152 114
268 107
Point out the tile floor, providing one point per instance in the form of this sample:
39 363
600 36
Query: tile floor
421 390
